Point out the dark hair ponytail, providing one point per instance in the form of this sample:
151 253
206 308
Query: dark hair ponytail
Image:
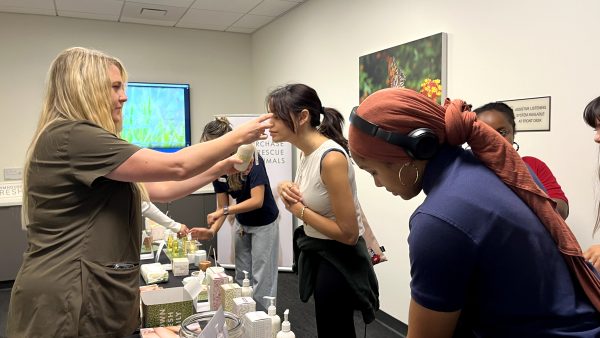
290 100
332 126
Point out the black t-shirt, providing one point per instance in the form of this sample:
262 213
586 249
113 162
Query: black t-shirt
257 176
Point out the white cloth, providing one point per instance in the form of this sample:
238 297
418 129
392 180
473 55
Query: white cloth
314 192
153 212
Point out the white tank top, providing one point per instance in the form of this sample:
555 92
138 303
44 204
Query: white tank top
314 192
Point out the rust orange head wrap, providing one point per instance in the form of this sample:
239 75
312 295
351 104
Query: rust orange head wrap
403 110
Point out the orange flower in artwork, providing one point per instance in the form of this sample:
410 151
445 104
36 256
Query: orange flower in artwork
431 88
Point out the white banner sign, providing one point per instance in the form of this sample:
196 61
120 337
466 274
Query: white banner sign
278 160
11 189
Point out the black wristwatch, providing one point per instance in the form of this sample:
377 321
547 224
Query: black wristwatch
226 210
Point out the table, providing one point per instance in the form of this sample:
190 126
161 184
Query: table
176 281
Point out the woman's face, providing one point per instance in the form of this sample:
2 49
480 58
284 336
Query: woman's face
499 122
387 175
118 96
280 131
597 132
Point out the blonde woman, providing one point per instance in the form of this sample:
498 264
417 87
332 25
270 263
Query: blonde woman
81 209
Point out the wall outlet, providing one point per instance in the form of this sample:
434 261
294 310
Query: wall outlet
13 174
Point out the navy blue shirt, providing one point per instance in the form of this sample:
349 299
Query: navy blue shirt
476 246
257 176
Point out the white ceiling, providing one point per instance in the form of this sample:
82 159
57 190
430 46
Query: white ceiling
241 16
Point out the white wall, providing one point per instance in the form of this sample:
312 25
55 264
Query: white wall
497 50
216 65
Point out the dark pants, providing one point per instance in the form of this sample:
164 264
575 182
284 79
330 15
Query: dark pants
334 305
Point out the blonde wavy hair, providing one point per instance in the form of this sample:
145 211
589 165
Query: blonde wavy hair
78 88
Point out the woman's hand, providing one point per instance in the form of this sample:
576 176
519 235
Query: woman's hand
592 255
254 129
214 216
294 208
183 231
225 167
203 234
289 193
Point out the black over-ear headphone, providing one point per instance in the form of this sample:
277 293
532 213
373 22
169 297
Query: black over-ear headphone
420 144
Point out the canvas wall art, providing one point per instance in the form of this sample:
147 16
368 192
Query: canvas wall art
419 65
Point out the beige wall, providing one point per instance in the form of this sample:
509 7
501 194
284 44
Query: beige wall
497 50
216 65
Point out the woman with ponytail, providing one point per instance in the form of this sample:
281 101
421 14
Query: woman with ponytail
486 245
330 254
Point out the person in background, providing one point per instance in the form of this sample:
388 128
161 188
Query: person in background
501 117
81 205
152 212
486 243
256 220
591 116
331 255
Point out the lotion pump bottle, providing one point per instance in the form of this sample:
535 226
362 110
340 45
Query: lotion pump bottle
275 320
246 288
286 332
244 153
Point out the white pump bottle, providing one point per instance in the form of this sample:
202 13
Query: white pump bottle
286 331
275 320
246 288
244 153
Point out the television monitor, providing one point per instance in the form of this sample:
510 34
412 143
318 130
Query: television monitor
157 115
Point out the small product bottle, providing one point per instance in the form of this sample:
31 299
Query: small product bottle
286 331
275 320
175 247
244 153
246 288
169 240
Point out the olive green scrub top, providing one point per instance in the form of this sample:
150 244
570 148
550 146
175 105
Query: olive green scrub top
81 224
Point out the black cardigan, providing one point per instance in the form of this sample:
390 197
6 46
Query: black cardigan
352 261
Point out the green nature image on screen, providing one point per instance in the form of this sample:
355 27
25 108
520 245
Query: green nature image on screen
154 116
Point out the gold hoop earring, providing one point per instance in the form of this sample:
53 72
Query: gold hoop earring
406 166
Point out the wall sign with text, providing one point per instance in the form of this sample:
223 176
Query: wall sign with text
531 114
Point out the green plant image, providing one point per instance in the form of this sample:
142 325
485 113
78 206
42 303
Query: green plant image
154 118
408 65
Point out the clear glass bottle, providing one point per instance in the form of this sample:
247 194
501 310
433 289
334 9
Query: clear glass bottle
192 325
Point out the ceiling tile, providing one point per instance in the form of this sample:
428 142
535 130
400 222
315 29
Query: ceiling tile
220 15
196 18
149 21
236 6
173 3
240 30
200 25
273 7
253 21
143 13
92 16
107 8
43 7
